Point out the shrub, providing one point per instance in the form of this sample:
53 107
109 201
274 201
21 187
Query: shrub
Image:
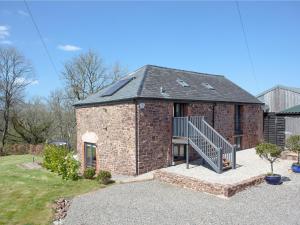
293 144
89 173
69 168
269 152
104 177
54 157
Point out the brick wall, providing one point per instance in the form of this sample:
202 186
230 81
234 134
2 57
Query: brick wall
223 120
112 129
252 125
155 135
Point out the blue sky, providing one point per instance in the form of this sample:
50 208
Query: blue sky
199 36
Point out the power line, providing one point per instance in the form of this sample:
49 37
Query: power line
246 41
41 37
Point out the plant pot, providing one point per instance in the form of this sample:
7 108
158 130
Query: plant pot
274 179
296 168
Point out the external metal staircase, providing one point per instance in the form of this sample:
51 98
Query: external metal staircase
211 146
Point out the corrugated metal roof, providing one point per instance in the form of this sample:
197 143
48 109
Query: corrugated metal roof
292 110
150 80
293 89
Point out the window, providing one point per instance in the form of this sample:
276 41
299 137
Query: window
182 83
238 142
90 154
179 152
208 86
179 110
238 119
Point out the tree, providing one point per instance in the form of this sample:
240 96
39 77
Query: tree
32 123
15 74
62 113
293 144
269 152
87 74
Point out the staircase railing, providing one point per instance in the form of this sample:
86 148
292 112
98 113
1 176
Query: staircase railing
210 152
218 140
211 145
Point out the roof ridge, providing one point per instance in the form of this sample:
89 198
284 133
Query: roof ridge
289 88
189 71
143 80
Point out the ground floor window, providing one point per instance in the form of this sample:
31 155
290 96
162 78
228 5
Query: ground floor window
238 142
179 152
90 154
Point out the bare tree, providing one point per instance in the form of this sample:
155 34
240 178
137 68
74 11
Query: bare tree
85 74
15 74
117 72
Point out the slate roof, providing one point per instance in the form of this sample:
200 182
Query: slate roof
293 89
292 110
150 80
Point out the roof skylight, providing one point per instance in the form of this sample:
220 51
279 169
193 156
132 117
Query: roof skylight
182 83
208 86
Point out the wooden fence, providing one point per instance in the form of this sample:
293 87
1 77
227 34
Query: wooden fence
274 129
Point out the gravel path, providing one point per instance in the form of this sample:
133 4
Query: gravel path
151 202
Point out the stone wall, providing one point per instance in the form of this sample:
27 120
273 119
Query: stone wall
221 117
154 135
252 125
226 190
112 129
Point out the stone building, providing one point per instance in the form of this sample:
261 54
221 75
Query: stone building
156 117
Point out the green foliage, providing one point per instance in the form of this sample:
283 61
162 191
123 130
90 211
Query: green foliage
61 161
269 152
104 177
293 144
27 195
54 157
69 168
89 173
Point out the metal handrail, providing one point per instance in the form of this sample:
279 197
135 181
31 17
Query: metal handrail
215 146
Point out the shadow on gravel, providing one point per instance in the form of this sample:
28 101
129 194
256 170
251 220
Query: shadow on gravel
285 179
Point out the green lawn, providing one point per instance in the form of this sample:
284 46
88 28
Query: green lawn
26 196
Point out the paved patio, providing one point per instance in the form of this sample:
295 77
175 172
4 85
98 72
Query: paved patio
249 165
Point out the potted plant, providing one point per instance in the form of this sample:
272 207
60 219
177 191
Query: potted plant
271 153
293 144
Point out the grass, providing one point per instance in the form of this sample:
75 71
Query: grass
26 196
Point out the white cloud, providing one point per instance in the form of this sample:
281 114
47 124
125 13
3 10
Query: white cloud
69 48
4 32
22 13
24 81
6 42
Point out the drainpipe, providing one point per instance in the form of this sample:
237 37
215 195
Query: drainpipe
137 145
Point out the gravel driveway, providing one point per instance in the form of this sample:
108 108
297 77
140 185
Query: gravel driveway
157 203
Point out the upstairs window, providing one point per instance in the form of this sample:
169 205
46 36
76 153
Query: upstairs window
238 119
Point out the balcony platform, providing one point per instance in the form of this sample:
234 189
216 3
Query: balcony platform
179 140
